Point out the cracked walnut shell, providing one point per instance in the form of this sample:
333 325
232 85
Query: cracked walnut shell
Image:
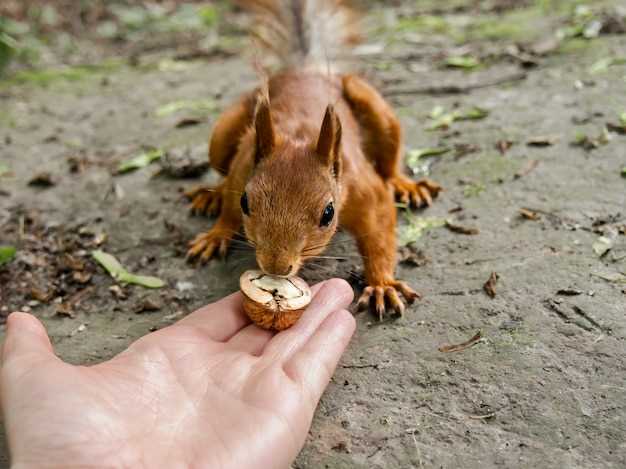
274 303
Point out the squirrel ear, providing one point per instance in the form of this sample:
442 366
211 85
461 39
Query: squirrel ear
265 136
329 142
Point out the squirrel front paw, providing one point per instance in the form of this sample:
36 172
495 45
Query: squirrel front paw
387 292
206 245
205 200
415 194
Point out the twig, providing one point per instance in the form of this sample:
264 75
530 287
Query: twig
530 166
490 285
584 315
462 346
374 365
456 89
482 417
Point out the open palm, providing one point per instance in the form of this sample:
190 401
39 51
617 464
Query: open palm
209 391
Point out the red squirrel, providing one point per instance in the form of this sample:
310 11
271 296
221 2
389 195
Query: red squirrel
309 151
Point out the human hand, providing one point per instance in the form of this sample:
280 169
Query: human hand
211 391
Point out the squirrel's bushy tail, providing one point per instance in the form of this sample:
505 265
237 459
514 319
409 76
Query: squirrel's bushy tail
303 33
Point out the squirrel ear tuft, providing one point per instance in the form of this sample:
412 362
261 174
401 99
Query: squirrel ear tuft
265 135
329 142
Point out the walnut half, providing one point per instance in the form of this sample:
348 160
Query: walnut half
271 302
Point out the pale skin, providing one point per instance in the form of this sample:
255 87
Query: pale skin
209 391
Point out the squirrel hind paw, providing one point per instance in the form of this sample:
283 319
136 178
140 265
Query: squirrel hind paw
415 194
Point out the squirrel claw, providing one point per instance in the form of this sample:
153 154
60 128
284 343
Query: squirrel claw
387 293
206 245
205 200
415 194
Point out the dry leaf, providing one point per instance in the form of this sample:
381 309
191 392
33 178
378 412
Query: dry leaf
466 230
146 305
64 309
117 292
43 179
617 128
490 285
529 214
462 346
410 255
530 166
69 262
542 141
81 277
504 145
188 122
40 295
462 149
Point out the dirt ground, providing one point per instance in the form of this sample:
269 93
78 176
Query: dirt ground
546 384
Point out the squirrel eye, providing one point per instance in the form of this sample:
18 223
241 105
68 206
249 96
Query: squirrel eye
327 216
244 204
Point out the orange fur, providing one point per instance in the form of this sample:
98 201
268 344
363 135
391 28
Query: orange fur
293 155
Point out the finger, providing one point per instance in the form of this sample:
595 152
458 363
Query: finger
220 320
251 339
314 364
334 294
25 337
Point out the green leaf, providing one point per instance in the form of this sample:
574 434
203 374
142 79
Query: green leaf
8 48
209 15
602 245
591 143
622 118
119 273
474 113
4 169
417 226
202 105
140 161
169 65
133 17
7 253
467 62
624 172
415 156
108 30
603 65
444 120
437 112
418 153
474 189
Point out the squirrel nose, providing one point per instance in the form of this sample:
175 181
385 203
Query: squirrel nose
274 268
284 273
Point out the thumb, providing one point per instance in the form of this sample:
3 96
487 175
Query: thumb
25 336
